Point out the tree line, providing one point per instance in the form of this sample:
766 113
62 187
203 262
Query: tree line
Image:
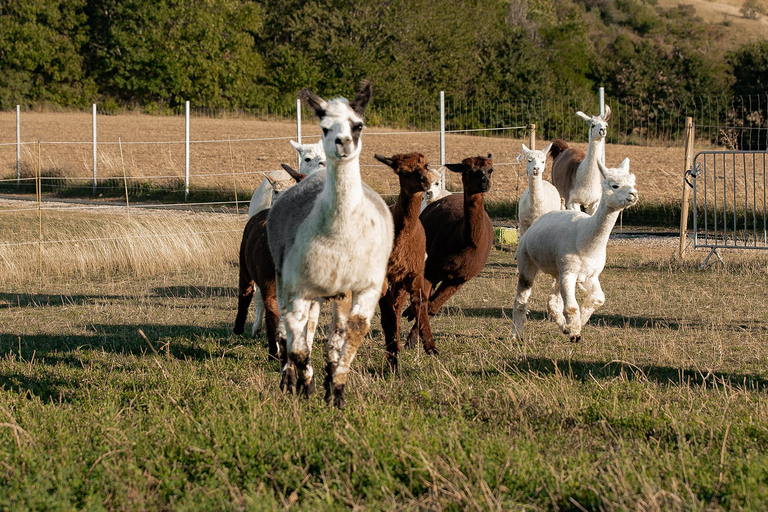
256 54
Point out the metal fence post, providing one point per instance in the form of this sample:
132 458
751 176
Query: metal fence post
601 97
186 150
442 139
18 146
298 129
94 149
687 163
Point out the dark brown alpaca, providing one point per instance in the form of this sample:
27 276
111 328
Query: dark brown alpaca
459 235
258 269
405 269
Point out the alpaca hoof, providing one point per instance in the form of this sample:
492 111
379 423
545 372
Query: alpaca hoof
274 353
338 396
431 350
330 369
575 338
239 329
307 388
288 381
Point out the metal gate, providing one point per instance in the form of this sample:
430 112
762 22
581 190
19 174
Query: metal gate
729 200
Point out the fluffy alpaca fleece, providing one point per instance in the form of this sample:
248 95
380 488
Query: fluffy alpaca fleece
330 236
575 173
459 235
570 246
541 196
405 269
434 192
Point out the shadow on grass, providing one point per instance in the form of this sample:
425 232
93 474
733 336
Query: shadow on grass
23 300
47 389
665 375
195 292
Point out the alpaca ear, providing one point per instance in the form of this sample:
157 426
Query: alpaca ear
313 100
271 181
526 150
607 114
603 169
584 116
385 160
363 97
624 166
490 156
297 176
456 167
546 149
295 145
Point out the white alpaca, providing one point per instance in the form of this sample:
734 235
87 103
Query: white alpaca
541 196
312 158
570 246
574 172
330 236
434 192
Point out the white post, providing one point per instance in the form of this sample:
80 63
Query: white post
18 146
94 149
298 129
186 150
601 95
442 138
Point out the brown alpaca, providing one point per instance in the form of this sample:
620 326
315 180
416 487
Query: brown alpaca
459 235
405 269
257 269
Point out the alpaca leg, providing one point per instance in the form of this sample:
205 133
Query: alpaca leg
525 278
444 291
571 306
296 317
358 324
555 305
420 303
244 297
411 313
594 299
337 332
258 309
390 323
282 329
272 320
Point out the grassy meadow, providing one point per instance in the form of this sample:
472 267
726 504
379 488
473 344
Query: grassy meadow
122 387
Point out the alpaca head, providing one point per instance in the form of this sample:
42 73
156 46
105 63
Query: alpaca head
341 122
412 170
598 126
312 156
433 192
280 185
475 173
535 161
619 190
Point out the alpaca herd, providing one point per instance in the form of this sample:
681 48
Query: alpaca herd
323 234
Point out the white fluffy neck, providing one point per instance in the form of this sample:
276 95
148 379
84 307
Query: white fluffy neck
536 187
598 228
343 191
587 171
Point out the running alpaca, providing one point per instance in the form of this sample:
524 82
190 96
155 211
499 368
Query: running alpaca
570 246
541 196
574 172
459 236
435 191
257 277
330 235
405 270
312 158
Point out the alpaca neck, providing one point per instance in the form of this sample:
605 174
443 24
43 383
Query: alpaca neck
536 191
473 216
343 191
588 169
598 228
406 211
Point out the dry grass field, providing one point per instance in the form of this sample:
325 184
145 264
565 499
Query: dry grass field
213 164
122 388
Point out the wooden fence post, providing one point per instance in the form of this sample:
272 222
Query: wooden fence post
687 164
532 137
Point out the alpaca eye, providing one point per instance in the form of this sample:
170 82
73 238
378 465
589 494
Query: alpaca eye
614 187
325 131
357 127
307 159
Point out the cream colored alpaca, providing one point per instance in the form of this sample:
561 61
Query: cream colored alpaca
435 191
570 246
541 196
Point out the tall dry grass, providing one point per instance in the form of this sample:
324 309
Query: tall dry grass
103 243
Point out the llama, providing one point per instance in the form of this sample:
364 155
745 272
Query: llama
405 270
541 196
330 236
570 246
435 190
312 158
253 233
574 172
459 236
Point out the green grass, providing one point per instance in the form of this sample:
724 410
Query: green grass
661 407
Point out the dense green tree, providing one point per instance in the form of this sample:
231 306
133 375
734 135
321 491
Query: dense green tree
750 68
